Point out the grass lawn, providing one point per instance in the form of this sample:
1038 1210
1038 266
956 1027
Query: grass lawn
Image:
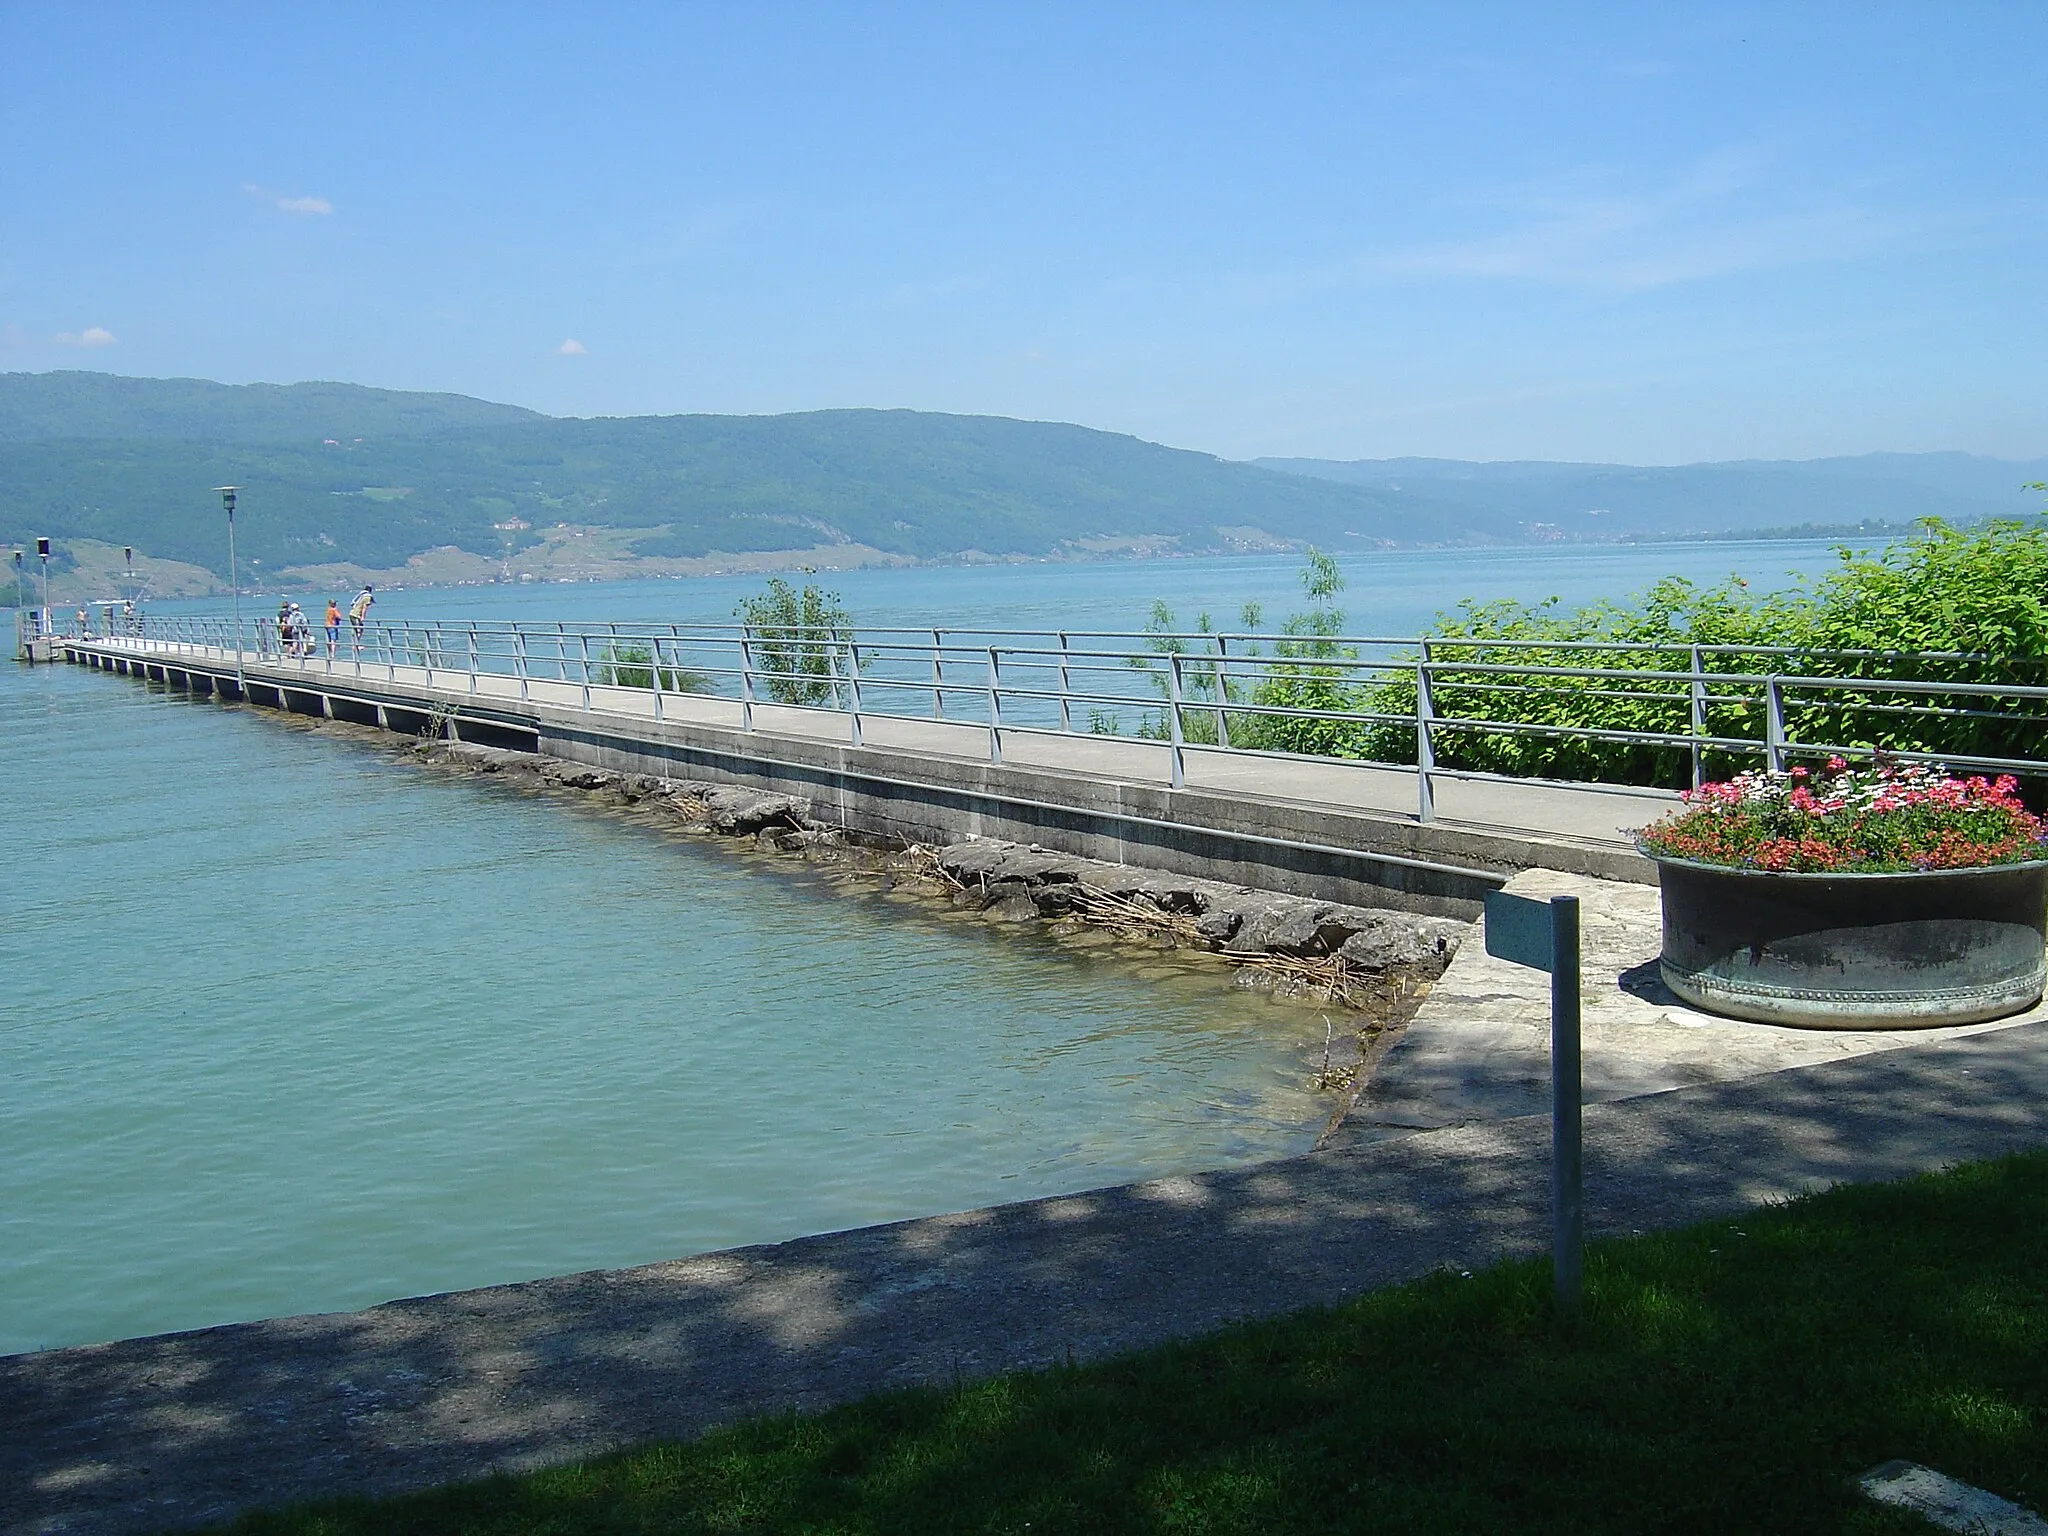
1733 1376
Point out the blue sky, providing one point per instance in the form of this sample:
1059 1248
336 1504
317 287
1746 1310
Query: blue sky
1646 234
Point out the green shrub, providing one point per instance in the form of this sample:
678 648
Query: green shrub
1301 672
631 665
802 641
1946 606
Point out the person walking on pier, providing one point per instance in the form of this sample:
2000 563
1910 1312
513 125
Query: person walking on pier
333 622
359 613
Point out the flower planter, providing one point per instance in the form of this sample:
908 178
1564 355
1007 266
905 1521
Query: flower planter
1906 950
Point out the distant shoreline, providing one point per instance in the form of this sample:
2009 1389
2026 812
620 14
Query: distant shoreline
65 590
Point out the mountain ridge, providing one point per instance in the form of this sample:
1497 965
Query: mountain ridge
344 477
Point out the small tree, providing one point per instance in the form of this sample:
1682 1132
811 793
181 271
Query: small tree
802 640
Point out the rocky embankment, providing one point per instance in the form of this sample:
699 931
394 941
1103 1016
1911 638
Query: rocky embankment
1352 954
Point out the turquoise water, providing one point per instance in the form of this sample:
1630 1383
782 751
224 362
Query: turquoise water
1395 593
296 1025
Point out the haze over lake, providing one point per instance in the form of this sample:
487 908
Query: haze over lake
1396 593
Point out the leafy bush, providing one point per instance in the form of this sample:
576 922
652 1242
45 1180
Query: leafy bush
802 641
1947 606
1302 672
632 666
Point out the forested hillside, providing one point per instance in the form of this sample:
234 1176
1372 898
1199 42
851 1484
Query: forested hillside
105 405
322 482
343 478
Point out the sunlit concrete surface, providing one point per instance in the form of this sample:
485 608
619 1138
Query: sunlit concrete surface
1479 1047
189 1428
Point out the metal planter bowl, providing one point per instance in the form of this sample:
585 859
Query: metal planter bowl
1894 951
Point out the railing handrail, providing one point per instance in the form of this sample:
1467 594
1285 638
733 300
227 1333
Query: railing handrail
1036 681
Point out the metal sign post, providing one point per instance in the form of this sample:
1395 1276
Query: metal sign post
1545 937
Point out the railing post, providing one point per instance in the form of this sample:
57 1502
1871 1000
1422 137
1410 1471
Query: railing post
1774 725
1176 758
1222 693
1066 717
584 637
1699 716
472 661
938 676
1425 744
852 692
519 664
747 679
654 673
995 709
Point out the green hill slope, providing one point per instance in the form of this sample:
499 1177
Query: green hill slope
341 476
104 405
909 484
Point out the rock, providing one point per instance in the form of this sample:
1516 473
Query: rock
974 861
1183 896
481 759
739 812
1056 900
1258 915
1013 905
1314 931
1427 943
576 776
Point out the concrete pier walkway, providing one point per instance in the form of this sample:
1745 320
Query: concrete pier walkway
1340 830
189 1428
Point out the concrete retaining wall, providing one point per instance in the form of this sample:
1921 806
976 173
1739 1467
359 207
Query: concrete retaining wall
1335 853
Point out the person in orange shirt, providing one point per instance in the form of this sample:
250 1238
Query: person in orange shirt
333 622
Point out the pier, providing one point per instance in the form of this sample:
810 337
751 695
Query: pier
1015 767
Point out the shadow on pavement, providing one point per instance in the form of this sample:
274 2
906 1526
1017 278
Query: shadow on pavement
186 1428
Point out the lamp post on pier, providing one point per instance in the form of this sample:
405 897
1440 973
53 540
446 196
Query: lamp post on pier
227 501
43 619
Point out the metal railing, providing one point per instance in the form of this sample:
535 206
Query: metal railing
1440 708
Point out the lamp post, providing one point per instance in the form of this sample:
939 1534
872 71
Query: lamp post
17 581
43 619
227 501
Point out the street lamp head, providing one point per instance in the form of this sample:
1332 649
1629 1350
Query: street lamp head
227 497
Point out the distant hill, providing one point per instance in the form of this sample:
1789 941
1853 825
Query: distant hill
104 405
1526 500
443 471
339 480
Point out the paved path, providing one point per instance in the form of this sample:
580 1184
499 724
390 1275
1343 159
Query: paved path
1601 816
1479 1047
191 1427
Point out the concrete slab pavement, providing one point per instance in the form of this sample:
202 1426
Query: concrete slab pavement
190 1428
1479 1047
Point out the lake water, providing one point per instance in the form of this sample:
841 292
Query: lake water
294 1025
1396 593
